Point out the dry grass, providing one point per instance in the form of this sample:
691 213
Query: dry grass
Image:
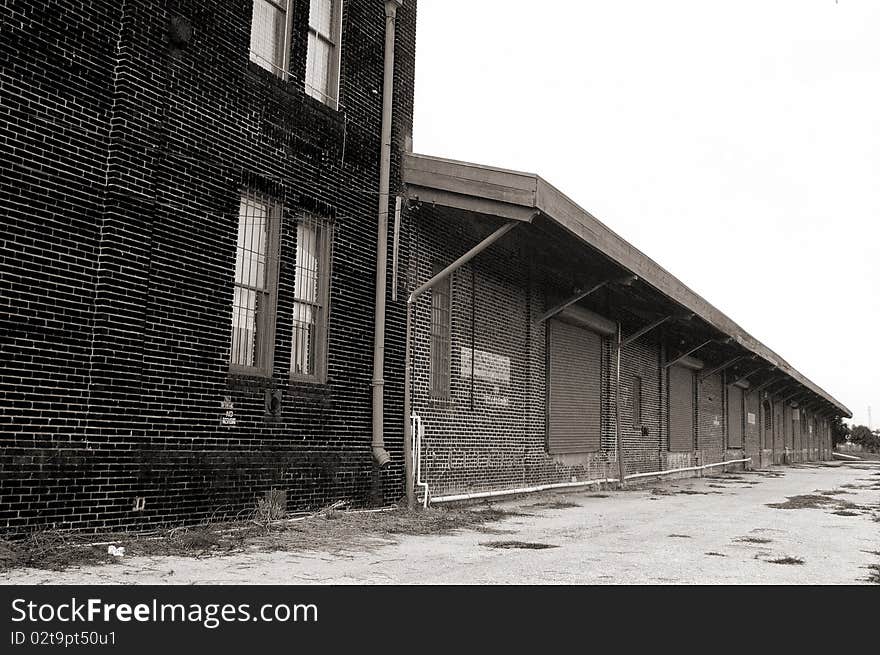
787 560
874 573
522 545
806 501
326 531
554 504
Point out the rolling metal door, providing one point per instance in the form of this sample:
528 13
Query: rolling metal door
574 402
734 417
681 409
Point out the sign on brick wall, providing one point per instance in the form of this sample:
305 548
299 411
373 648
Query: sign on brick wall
487 366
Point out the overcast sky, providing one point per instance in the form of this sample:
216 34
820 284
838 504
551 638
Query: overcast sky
736 143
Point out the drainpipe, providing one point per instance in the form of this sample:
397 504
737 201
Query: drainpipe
410 309
380 455
621 466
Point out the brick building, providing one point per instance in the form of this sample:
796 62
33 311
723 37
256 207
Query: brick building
517 378
189 252
190 287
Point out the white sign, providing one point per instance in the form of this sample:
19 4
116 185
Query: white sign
228 417
487 366
751 419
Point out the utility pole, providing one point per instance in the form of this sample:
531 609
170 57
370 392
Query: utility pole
870 424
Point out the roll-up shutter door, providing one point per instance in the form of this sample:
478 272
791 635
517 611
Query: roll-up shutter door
681 409
574 402
734 417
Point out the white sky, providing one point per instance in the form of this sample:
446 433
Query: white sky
736 143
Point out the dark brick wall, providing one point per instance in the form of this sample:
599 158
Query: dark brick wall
126 163
492 435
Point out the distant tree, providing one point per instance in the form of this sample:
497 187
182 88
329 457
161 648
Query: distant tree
863 436
839 431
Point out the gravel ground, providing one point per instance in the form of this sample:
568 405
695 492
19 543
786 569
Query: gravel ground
715 530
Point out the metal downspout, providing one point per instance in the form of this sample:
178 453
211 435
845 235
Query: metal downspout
380 455
621 466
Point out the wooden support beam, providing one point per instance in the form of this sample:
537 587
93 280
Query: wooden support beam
721 367
645 330
687 354
792 396
743 378
580 295
778 391
766 384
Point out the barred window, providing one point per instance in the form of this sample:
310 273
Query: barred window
441 316
637 401
270 30
256 279
311 286
322 59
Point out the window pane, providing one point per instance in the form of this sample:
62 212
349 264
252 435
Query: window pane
318 66
310 286
440 337
250 257
252 300
268 34
244 327
306 280
321 16
303 352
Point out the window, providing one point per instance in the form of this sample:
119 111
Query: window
270 28
768 417
311 287
256 279
637 401
322 60
441 316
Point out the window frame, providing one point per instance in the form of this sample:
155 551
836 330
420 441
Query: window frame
334 70
637 389
322 323
444 393
264 321
284 70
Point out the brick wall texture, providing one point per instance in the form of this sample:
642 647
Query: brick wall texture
124 159
491 435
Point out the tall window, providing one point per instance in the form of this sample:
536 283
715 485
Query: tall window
322 61
256 278
270 30
311 286
637 401
441 316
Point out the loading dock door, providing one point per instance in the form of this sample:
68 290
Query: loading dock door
734 417
681 409
574 392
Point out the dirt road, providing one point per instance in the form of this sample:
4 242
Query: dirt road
824 529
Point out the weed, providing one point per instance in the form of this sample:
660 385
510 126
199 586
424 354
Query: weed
786 560
524 545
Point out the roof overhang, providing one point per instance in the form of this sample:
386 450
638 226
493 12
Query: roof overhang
520 196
